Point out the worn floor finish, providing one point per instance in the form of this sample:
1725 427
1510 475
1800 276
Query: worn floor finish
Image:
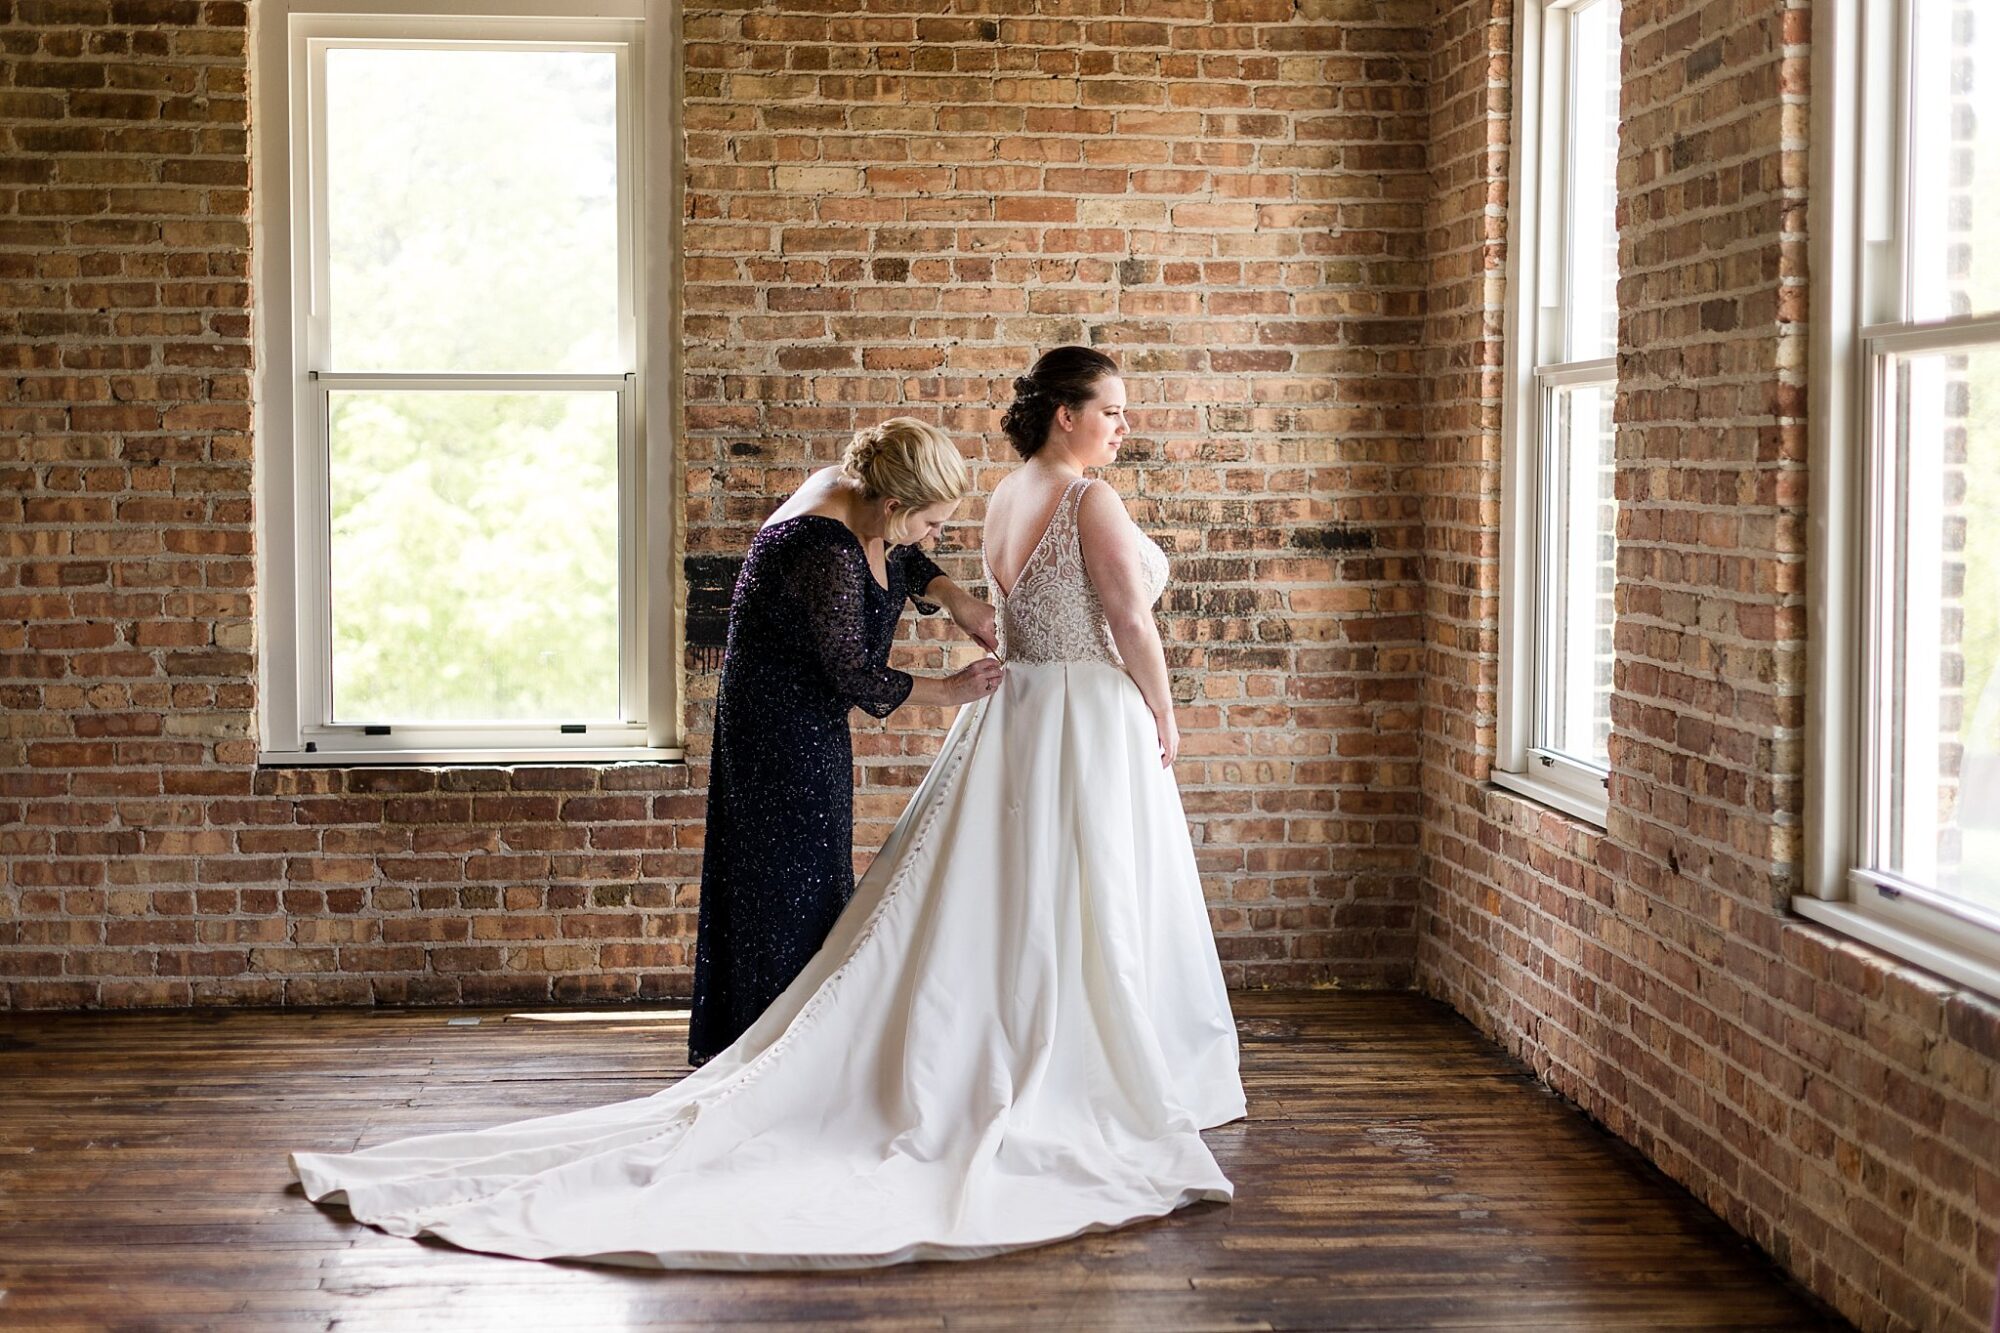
1396 1172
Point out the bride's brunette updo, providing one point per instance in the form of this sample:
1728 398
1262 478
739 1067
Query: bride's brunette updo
907 460
1065 377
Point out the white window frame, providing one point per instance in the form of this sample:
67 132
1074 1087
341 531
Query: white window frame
1536 312
289 40
1860 132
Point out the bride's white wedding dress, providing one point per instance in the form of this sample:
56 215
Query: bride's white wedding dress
1013 1035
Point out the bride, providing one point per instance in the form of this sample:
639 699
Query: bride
1016 1030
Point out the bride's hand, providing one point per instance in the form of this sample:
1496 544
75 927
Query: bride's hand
976 681
1170 737
975 617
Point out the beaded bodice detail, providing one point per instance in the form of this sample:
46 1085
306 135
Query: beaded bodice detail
1053 614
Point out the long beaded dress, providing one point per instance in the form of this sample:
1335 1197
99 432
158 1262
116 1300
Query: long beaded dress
809 637
1014 1034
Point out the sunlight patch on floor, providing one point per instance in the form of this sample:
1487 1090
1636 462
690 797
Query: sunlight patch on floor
601 1016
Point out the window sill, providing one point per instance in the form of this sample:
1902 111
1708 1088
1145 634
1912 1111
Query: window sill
468 758
1544 793
1955 964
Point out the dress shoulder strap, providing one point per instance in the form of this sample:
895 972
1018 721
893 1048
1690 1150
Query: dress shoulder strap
1064 521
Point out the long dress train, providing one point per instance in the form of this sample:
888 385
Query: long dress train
1014 1033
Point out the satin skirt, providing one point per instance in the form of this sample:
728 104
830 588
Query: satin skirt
1014 1034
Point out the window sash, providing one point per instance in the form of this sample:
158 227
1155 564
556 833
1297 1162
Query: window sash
315 601
1861 227
1567 221
1555 563
296 560
1539 332
1886 527
322 34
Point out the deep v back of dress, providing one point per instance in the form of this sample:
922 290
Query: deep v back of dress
1014 1033
1053 613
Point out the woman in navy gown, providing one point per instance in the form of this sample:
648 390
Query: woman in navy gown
810 626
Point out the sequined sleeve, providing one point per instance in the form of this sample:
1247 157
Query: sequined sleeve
918 571
828 582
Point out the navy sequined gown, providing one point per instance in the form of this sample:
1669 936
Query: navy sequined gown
809 637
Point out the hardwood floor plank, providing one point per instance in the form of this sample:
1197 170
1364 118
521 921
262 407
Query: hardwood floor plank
1396 1172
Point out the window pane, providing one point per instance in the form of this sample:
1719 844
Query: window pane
474 556
472 210
1942 808
1579 575
1954 209
1592 262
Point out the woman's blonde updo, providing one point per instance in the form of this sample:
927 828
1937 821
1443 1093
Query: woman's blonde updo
906 460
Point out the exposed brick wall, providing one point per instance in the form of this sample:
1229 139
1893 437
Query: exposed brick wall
1834 1105
891 212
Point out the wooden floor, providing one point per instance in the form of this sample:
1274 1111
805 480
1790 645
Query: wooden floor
1396 1172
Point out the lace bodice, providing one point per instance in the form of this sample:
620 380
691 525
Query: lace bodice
1053 614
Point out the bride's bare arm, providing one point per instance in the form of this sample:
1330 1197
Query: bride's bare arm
1110 543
